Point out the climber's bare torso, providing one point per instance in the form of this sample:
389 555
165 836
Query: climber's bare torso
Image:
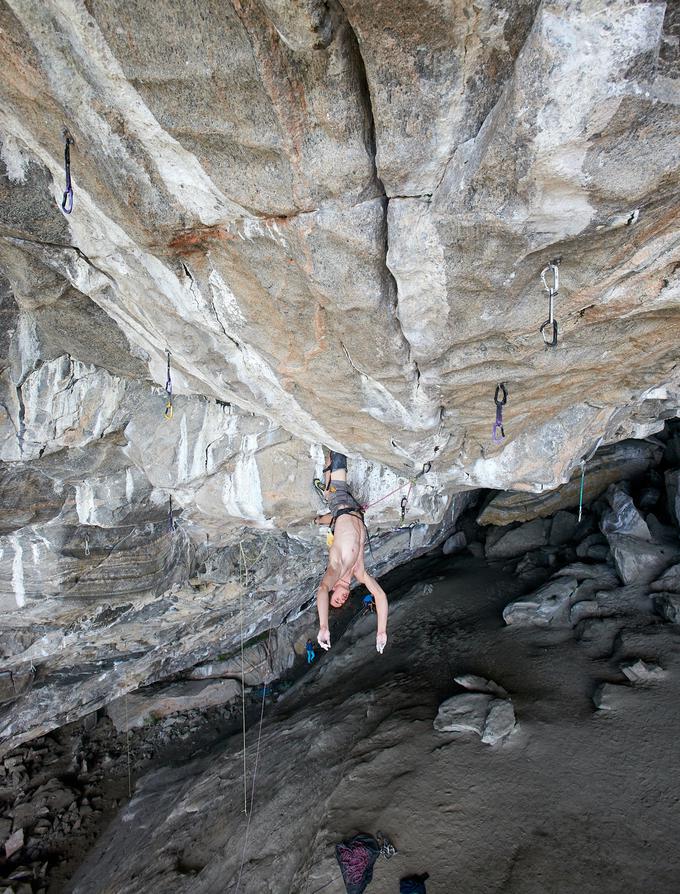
345 562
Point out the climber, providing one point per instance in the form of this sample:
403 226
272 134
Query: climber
346 554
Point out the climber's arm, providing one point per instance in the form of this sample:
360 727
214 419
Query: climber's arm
381 607
328 581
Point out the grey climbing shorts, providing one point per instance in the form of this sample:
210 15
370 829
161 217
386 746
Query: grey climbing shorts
341 497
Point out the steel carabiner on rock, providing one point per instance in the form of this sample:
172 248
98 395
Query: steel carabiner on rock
549 329
67 200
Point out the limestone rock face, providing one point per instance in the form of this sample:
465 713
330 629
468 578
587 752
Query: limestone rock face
331 219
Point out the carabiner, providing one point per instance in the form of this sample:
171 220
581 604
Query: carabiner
549 329
168 380
549 332
555 270
426 468
168 412
497 426
67 200
500 388
87 545
404 505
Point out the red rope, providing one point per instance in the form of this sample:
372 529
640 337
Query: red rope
366 506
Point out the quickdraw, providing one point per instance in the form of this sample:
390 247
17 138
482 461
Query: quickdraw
549 328
412 482
584 462
500 403
168 390
67 200
87 545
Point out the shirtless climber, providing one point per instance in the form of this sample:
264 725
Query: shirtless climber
346 554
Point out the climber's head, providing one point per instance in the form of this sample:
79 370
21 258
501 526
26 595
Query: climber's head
339 594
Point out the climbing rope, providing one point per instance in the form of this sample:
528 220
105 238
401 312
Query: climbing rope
243 581
127 742
584 462
252 790
404 500
168 390
500 403
67 200
549 328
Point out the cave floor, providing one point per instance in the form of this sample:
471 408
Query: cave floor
575 799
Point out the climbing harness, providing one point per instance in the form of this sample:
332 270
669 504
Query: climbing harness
369 603
311 654
87 545
67 200
168 390
584 461
498 424
549 328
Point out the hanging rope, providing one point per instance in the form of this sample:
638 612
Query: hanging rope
498 424
584 462
252 790
168 413
243 581
67 200
127 742
549 328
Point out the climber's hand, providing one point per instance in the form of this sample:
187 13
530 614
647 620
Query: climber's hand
381 642
324 638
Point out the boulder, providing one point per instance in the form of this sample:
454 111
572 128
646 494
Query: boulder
610 697
455 544
640 562
669 580
641 671
668 606
148 706
463 713
503 544
548 605
500 721
480 684
14 843
604 575
592 540
623 516
492 719
562 529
